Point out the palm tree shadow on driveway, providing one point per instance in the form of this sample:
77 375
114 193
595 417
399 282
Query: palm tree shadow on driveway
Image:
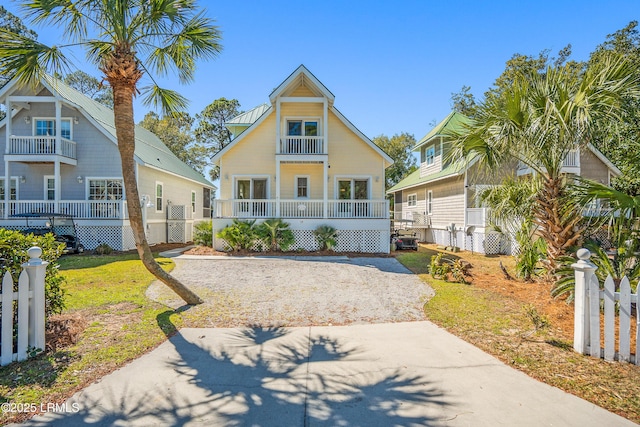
260 377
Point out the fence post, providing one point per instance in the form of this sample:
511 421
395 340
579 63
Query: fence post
36 269
584 271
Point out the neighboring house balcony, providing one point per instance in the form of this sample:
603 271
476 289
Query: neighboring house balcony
266 208
80 209
41 149
302 145
571 164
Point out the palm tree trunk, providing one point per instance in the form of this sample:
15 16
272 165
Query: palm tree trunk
557 219
125 132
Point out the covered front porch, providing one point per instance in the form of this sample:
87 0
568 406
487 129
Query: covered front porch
301 208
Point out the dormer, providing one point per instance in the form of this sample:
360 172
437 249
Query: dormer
302 105
433 146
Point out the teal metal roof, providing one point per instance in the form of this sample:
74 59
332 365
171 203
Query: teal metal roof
248 118
452 124
150 150
414 178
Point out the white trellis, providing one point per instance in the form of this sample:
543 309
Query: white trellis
587 326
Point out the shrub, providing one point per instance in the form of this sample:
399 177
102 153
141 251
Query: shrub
275 234
13 249
241 235
437 268
103 249
203 233
326 236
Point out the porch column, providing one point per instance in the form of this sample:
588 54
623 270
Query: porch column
58 129
325 131
325 188
9 125
7 188
56 183
278 126
7 175
277 188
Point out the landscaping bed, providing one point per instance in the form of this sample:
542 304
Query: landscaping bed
507 319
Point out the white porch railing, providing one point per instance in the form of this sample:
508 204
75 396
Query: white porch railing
302 145
80 209
30 329
618 304
256 208
41 145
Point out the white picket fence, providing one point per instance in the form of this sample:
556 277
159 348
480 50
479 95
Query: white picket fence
30 310
587 326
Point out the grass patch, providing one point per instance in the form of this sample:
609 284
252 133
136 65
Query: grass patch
496 315
121 325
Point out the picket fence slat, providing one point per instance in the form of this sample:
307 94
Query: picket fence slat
625 320
23 315
29 312
587 333
6 356
594 317
609 319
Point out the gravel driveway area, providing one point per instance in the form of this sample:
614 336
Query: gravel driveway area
297 292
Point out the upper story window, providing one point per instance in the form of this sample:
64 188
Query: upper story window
430 155
13 188
302 127
412 200
47 127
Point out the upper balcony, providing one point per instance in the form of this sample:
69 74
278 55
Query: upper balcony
41 149
302 145
571 164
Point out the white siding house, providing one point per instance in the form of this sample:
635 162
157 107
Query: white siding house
60 156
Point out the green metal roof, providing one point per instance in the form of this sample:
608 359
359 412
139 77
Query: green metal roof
414 178
249 117
453 123
150 150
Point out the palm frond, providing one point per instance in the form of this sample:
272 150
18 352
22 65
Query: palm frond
168 101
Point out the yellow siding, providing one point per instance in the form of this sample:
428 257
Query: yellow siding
302 91
301 109
351 156
288 172
253 155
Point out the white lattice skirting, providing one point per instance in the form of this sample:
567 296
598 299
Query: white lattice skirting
485 242
366 236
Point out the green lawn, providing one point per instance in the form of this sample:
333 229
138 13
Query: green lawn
106 294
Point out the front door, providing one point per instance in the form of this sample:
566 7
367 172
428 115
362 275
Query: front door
251 189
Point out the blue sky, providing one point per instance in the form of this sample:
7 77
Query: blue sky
392 65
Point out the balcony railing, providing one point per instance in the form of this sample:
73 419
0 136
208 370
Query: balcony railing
41 145
302 145
80 209
258 208
572 160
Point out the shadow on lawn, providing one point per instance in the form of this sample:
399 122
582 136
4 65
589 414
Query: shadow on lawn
264 377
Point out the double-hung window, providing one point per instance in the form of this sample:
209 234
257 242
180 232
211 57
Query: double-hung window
302 186
412 200
159 196
430 155
105 189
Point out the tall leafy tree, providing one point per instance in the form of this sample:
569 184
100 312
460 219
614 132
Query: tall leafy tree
622 146
175 132
399 148
464 102
127 40
10 22
90 86
211 133
538 120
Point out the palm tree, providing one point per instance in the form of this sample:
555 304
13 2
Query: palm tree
126 40
537 123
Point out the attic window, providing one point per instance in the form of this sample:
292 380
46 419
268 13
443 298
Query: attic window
430 155
302 128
